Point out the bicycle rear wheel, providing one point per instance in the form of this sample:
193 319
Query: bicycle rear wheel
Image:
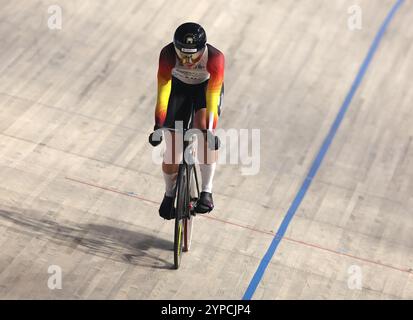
180 214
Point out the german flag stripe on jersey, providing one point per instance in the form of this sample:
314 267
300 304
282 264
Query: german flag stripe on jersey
215 67
166 64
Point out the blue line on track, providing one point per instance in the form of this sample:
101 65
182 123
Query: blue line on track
320 156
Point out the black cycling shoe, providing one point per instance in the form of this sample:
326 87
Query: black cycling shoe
205 203
167 210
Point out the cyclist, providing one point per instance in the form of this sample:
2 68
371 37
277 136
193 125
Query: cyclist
191 72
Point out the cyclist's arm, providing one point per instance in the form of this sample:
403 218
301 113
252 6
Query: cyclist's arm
215 66
166 64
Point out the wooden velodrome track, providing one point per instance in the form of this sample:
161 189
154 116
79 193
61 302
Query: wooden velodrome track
79 189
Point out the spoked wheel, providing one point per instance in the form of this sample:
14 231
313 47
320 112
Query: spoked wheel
181 209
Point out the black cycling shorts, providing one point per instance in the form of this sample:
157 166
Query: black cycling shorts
182 97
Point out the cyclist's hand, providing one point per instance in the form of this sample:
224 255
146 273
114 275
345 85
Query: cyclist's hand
213 141
155 138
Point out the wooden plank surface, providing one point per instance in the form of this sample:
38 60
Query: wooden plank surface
79 188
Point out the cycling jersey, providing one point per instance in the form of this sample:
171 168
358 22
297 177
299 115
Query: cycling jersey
210 68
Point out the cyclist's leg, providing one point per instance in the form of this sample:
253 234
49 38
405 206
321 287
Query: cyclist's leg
171 159
207 158
173 142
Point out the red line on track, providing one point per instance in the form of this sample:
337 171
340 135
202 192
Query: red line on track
406 270
112 190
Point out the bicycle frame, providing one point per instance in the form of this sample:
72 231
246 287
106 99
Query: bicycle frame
184 198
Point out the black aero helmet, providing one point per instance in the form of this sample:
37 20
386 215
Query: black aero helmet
190 38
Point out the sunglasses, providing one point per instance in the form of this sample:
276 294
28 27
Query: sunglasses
189 58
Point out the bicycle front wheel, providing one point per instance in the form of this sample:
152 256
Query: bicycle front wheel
180 214
192 197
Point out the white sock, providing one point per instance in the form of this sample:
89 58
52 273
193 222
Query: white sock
207 174
170 182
